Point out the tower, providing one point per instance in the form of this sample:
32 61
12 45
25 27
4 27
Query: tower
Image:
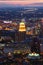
22 31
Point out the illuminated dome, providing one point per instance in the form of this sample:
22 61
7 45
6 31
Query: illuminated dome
22 27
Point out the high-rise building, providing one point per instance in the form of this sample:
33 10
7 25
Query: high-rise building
22 31
16 36
35 47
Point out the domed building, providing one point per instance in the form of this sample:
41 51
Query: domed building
22 31
22 27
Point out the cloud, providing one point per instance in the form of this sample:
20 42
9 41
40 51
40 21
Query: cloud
23 2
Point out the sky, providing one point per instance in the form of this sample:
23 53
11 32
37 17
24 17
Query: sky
22 2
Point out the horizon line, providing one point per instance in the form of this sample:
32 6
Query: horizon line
18 2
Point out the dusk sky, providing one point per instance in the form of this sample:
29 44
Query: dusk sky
22 2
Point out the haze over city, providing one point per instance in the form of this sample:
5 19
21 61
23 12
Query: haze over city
20 2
